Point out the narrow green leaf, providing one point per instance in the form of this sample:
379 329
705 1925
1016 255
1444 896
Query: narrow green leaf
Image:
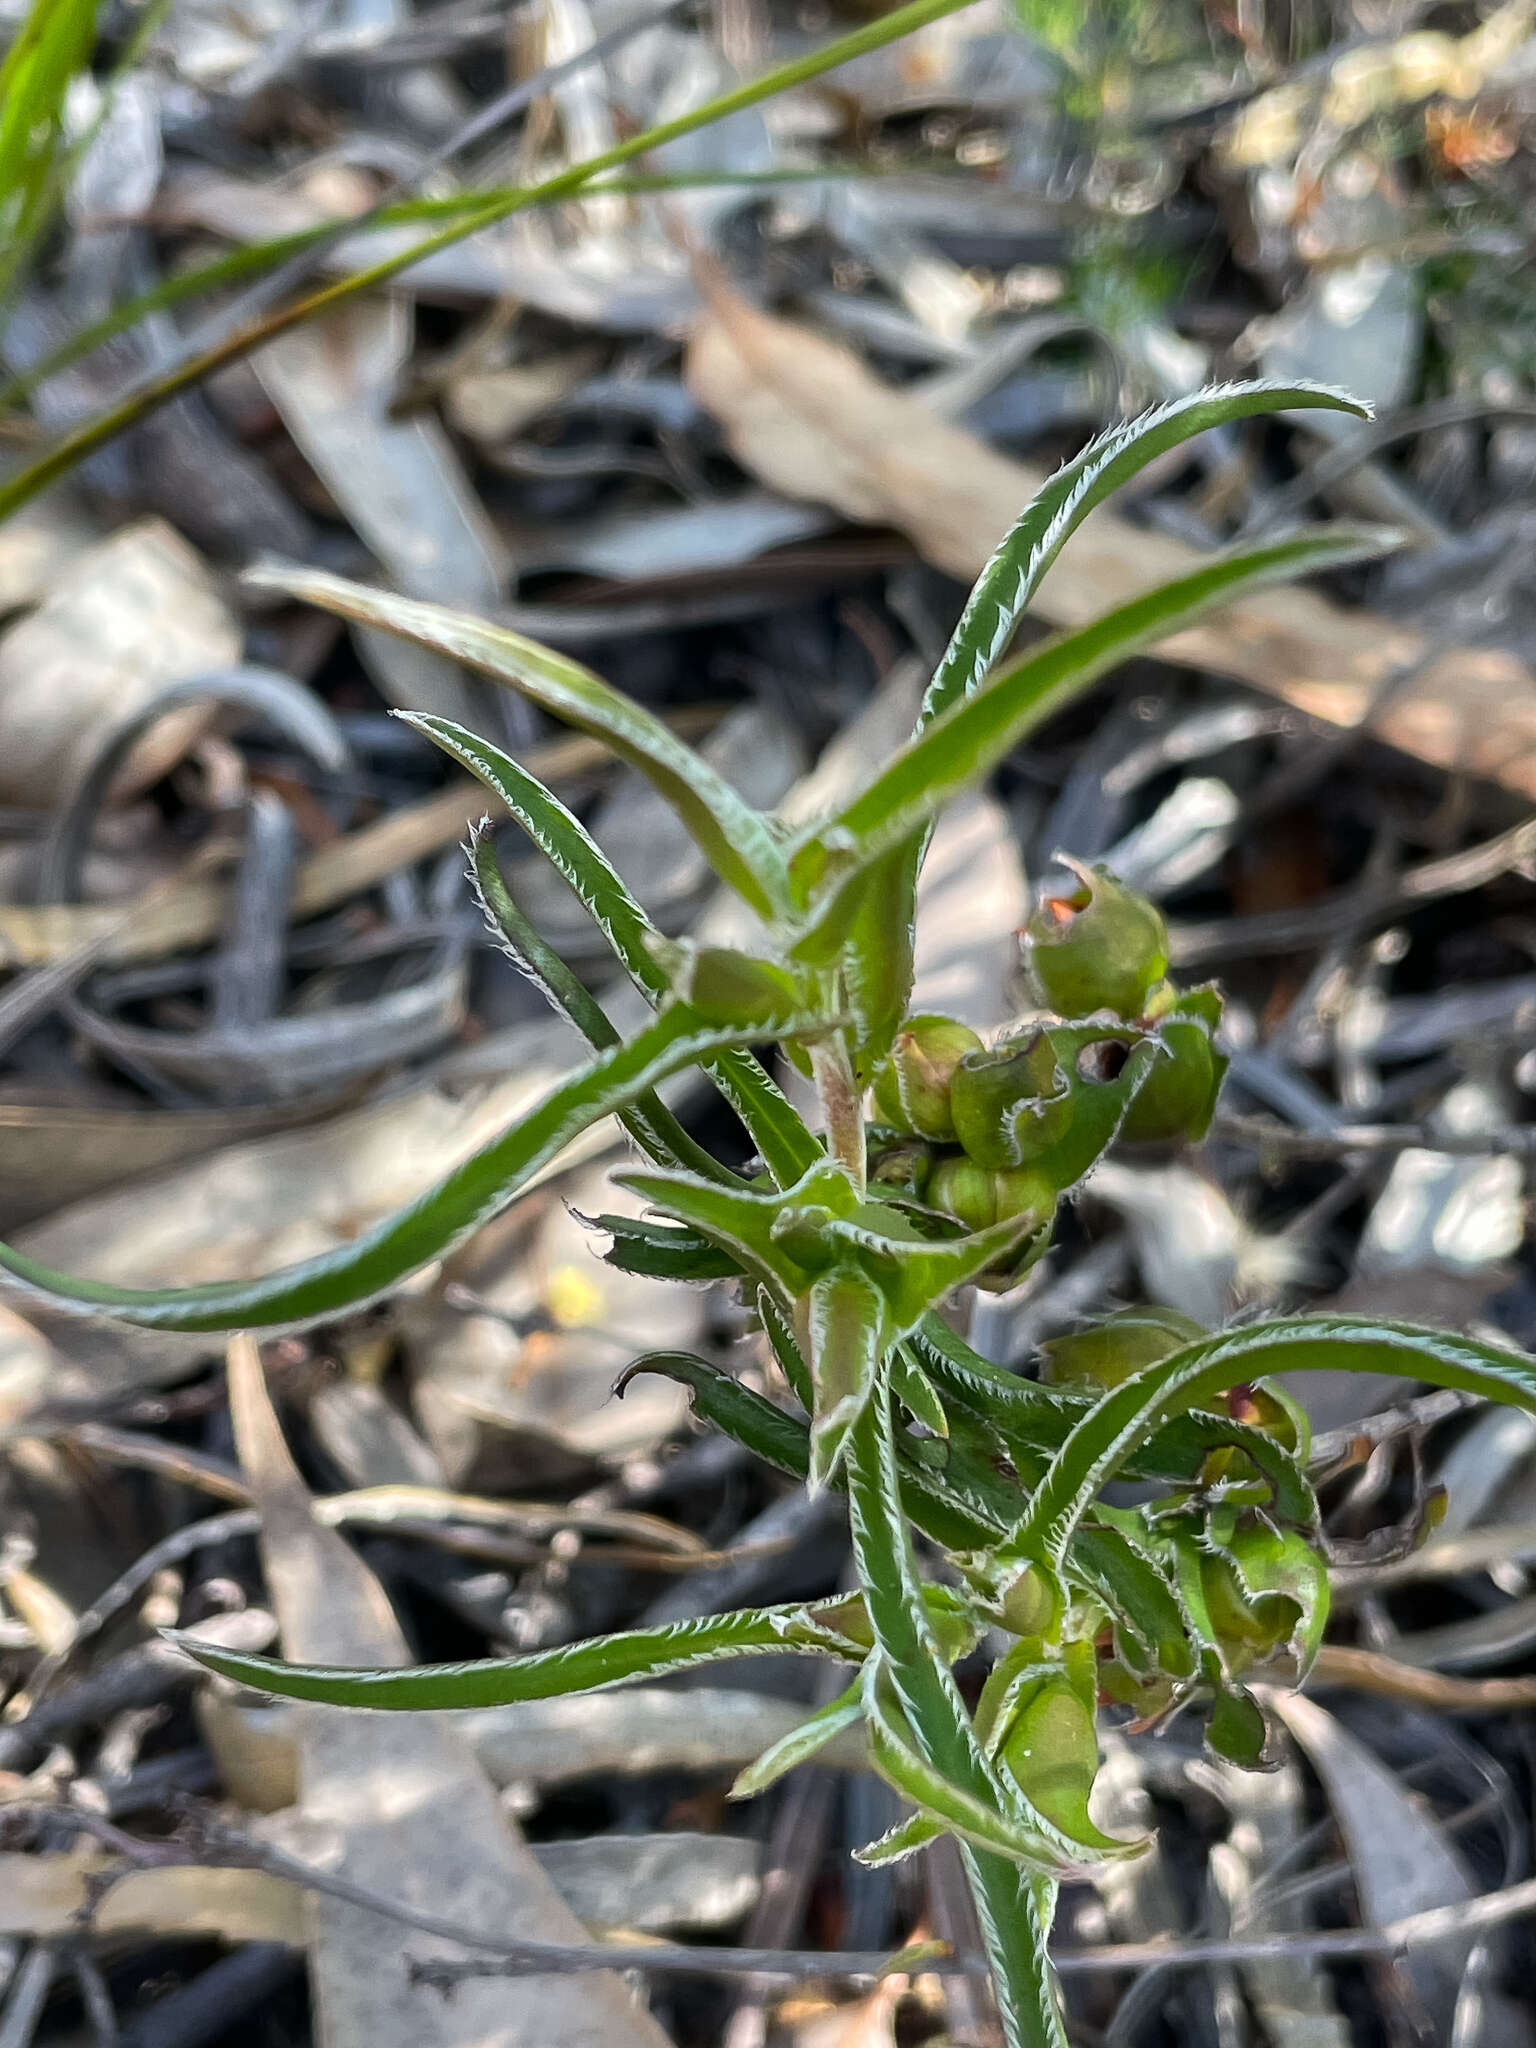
921 1680
976 733
899 1842
744 1221
940 1502
565 843
1129 1580
649 1122
878 962
916 1392
780 1440
779 1331
1007 585
915 1276
381 1258
544 1674
786 1147
735 838
801 1743
658 1252
1128 1413
848 1328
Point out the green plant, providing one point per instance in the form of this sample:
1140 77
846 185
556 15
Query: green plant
53 46
848 1243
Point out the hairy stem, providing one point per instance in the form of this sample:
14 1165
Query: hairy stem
1013 1907
838 1093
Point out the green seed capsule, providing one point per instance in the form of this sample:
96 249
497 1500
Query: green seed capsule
964 1190
978 1199
1028 1607
1110 1351
1020 1191
1178 1097
1009 1102
912 1083
1102 947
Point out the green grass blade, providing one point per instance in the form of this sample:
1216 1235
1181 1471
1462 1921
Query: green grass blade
237 266
545 1674
381 1258
52 46
977 733
1125 1416
158 389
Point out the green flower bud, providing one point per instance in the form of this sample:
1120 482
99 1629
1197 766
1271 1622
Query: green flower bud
1101 948
912 1082
963 1189
1009 1102
1021 1191
1178 1097
1110 1351
1028 1607
978 1199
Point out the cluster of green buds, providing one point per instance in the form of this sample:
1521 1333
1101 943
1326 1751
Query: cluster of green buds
984 1133
1236 1544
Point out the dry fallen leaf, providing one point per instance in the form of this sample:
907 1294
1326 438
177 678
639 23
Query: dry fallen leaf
404 1809
807 417
398 479
123 619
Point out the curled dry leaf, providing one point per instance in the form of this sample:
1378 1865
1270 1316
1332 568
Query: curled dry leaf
125 618
399 481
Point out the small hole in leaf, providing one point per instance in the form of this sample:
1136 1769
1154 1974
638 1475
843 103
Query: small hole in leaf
1102 1060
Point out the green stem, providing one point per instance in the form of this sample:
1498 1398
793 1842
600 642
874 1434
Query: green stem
1013 1907
838 1093
1015 1911
157 390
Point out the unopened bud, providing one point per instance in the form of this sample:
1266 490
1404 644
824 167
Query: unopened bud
1110 1351
1009 1102
912 1084
1102 947
1020 1191
964 1190
979 1198
1028 1607
1178 1097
